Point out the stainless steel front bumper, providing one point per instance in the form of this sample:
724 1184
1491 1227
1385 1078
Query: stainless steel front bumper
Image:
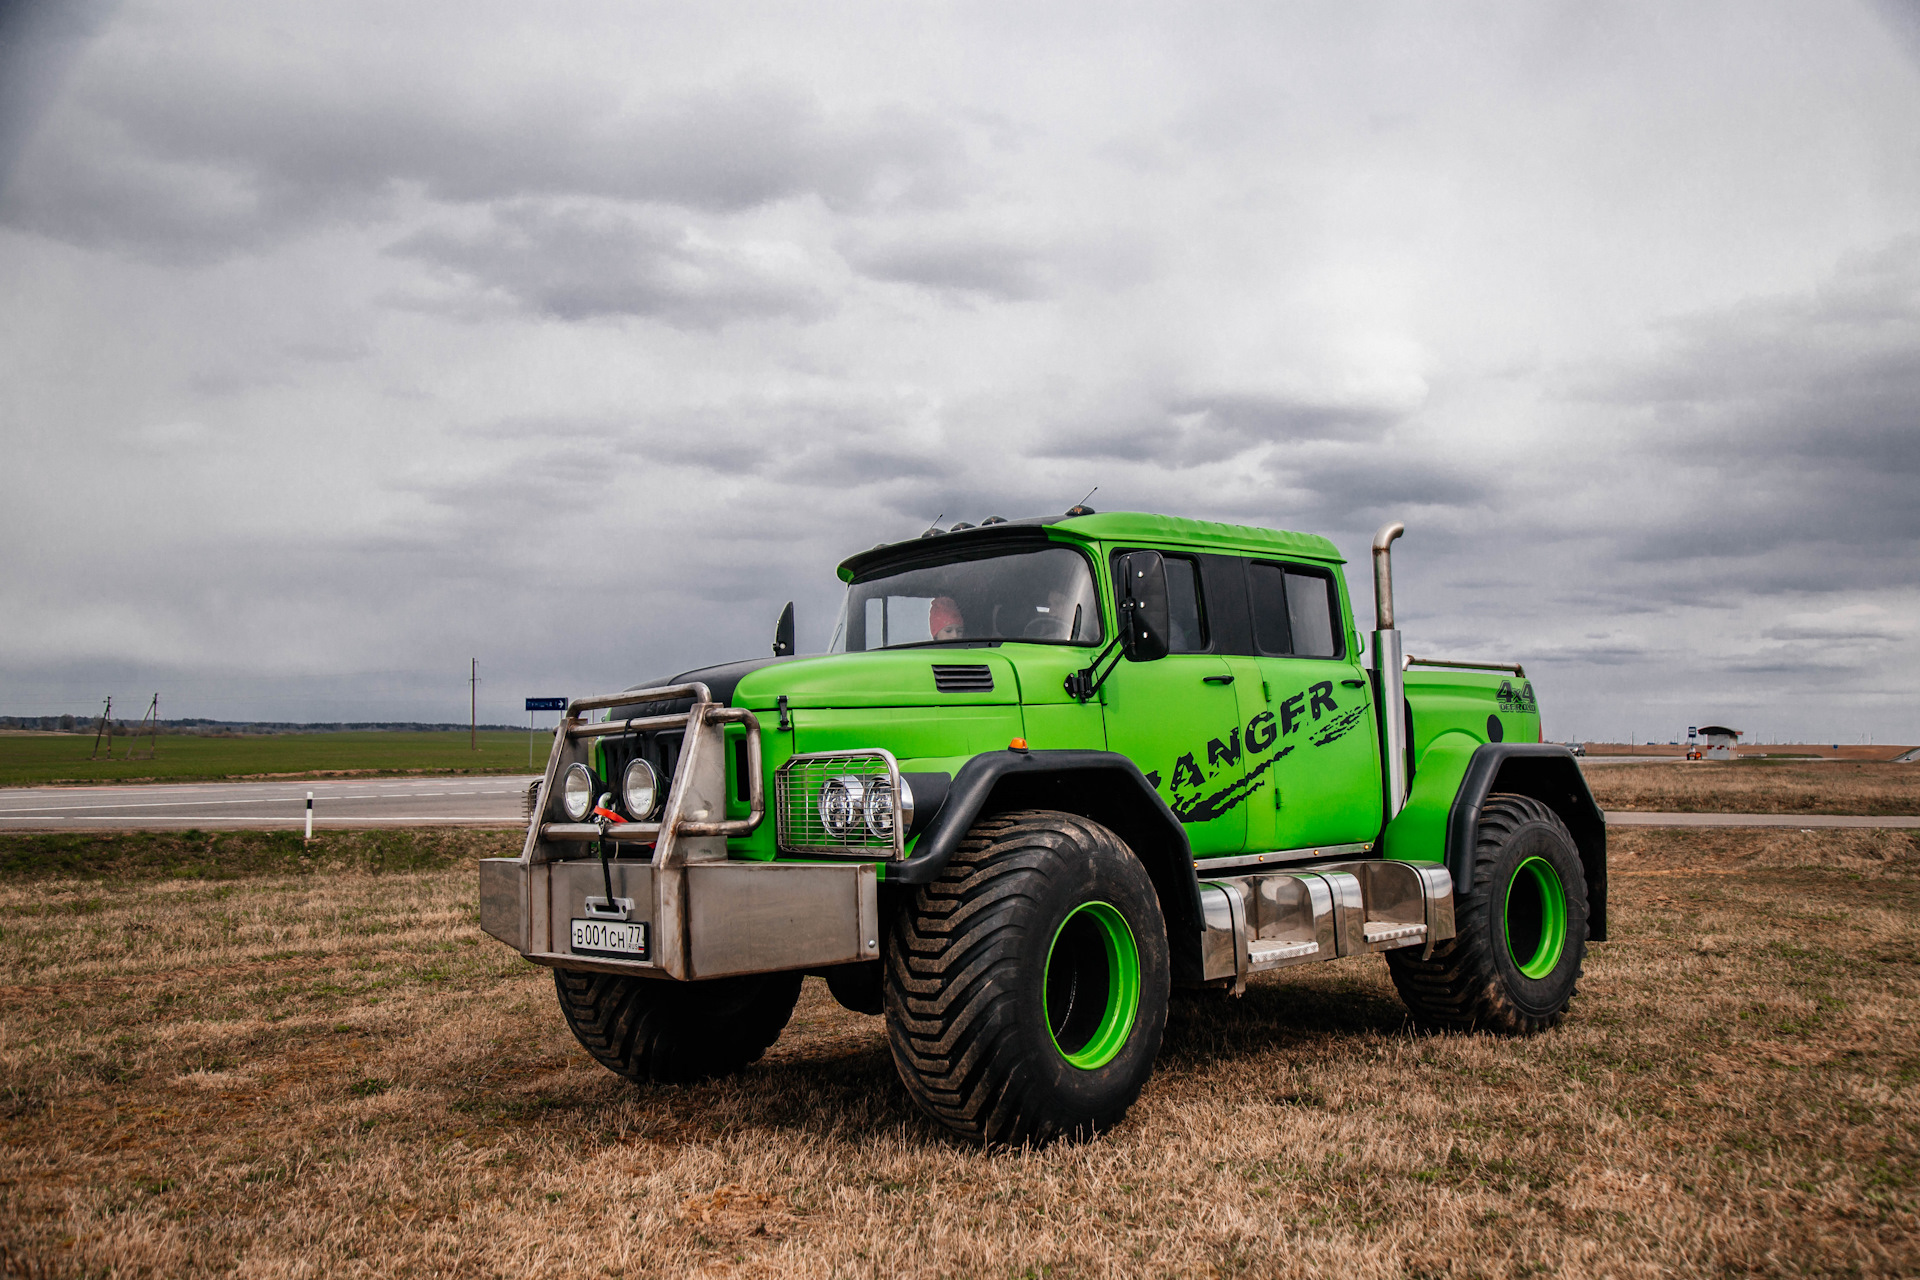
706 916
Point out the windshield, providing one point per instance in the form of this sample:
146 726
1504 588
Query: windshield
1043 596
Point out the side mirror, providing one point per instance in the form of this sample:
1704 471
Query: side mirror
1145 622
783 633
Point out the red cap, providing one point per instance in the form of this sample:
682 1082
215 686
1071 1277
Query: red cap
944 613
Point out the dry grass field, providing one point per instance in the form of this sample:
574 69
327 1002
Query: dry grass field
1750 750
1705 786
322 1068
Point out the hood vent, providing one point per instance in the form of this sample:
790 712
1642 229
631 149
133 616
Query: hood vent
963 678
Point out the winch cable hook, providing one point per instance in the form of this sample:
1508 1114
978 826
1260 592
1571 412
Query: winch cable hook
603 814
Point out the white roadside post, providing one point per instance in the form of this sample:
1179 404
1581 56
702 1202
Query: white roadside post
309 817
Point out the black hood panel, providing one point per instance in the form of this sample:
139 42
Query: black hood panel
721 681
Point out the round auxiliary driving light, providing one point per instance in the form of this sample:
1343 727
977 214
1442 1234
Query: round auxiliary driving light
880 806
842 804
639 790
576 793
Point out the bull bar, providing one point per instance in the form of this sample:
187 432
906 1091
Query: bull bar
704 915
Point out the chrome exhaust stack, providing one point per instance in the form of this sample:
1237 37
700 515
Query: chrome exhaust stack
1389 671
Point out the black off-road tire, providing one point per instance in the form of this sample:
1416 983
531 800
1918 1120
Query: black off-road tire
675 1032
1474 981
984 1044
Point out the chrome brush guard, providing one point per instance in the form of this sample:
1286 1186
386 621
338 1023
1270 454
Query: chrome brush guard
707 915
694 826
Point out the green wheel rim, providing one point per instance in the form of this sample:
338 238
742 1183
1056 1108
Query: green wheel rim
1092 990
1536 918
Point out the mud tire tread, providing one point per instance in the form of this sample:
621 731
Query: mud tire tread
1462 987
667 1032
953 981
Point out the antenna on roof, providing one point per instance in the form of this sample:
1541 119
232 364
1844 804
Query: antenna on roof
1081 508
934 530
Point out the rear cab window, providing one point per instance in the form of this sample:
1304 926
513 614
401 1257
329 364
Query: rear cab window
1296 611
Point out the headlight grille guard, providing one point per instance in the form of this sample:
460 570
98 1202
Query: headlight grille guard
798 824
694 826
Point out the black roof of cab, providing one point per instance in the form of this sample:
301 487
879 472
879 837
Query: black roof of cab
941 548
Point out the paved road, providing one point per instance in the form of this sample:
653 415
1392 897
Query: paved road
1804 821
421 802
493 801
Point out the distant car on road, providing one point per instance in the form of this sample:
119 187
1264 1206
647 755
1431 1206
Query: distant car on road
1578 748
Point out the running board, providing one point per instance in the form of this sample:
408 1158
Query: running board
1275 919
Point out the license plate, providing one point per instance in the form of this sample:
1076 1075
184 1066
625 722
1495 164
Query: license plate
611 937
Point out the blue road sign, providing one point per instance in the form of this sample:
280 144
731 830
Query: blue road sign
546 704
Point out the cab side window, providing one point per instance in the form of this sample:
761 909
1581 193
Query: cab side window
1295 611
1185 607
1266 584
1311 608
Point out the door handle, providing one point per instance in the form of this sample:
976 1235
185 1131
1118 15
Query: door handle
1354 684
1216 679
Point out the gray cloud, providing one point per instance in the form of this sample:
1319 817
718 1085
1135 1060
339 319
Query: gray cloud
1371 485
1785 433
967 264
39 41
579 263
1903 18
1188 429
580 339
189 162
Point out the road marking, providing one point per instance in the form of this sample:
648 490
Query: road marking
291 799
294 823
155 804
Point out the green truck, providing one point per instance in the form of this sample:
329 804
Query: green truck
1049 770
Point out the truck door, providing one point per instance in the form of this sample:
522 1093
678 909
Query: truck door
1179 720
1319 713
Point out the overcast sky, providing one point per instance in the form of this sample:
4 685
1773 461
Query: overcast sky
342 343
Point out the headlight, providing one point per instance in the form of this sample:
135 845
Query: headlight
842 803
640 790
880 806
576 793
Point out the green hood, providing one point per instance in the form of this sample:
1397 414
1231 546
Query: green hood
895 678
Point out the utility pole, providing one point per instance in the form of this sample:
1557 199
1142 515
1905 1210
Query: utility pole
150 725
473 706
106 727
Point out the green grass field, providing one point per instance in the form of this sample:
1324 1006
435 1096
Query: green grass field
30 759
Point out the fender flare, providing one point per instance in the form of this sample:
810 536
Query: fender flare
1548 773
1102 785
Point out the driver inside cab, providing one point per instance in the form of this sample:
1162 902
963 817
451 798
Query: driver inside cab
944 620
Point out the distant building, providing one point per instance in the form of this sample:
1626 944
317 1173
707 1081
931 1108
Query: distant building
1720 741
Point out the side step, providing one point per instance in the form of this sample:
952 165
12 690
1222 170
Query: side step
1280 918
